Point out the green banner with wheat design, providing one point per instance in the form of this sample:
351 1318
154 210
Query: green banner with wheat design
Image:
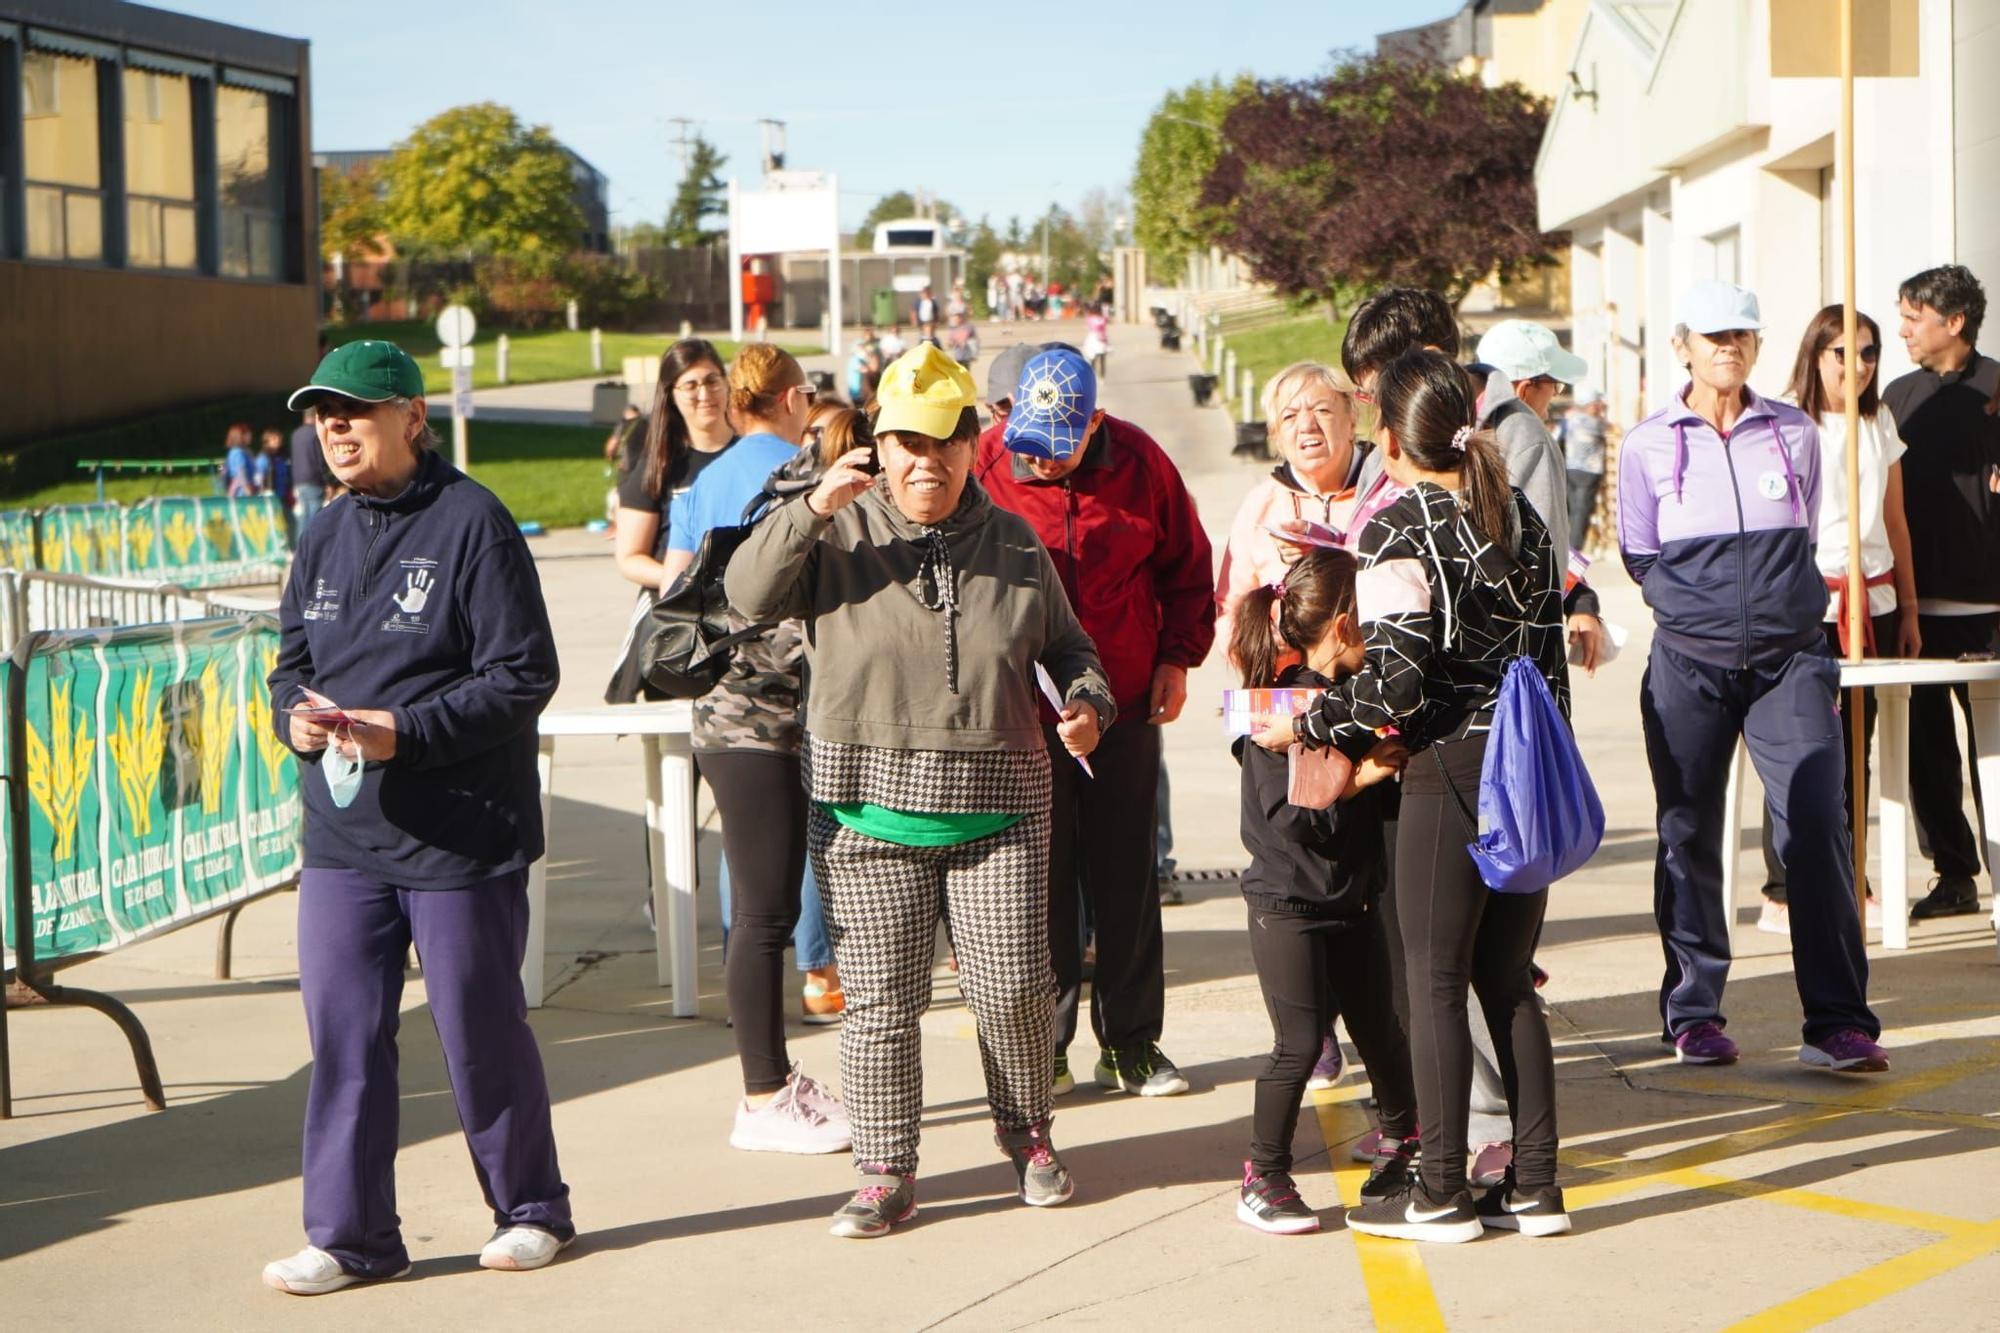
157 793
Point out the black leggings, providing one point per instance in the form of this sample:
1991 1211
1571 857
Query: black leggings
1457 931
762 802
1305 966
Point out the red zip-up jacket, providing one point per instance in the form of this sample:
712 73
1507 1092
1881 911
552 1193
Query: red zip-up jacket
1129 546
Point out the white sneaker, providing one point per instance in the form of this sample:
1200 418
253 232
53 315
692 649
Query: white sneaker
1775 919
313 1272
518 1249
818 1096
797 1120
1874 914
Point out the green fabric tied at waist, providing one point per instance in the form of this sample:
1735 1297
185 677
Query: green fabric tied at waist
915 828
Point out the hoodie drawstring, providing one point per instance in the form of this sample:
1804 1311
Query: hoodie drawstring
937 563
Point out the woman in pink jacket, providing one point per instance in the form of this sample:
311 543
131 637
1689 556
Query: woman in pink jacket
1310 410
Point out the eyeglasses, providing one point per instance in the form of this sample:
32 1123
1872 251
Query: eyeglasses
696 388
806 391
344 408
1869 354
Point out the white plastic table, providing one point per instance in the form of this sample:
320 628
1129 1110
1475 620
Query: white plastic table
666 751
1891 679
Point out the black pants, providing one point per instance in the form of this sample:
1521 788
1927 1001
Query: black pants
1101 844
1457 932
762 802
1305 966
1936 789
1885 645
1582 507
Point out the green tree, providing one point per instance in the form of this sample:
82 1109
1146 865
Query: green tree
903 204
474 181
1178 149
982 257
352 218
700 198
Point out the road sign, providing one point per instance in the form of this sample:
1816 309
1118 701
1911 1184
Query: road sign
455 326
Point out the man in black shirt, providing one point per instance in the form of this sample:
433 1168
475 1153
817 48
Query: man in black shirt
1951 494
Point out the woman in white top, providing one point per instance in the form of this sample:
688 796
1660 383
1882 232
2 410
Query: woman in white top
1889 628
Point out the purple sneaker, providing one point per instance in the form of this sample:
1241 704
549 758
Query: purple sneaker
1846 1051
1326 1070
1704 1044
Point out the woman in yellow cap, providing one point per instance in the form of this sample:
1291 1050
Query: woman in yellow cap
930 610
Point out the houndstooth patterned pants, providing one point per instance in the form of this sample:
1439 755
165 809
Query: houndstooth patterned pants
882 905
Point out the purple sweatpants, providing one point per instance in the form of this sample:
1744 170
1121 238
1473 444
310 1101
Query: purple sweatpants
353 935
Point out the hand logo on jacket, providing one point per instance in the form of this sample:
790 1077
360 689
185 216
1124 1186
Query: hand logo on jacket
415 593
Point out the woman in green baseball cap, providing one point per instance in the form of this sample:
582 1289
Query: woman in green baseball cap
414 658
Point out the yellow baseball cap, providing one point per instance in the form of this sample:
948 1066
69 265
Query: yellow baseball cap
923 391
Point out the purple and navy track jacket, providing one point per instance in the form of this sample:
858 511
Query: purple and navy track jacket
1719 531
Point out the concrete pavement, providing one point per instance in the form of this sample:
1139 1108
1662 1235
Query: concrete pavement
1703 1197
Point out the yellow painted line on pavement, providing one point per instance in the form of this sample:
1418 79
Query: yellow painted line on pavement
1859 1210
1851 1293
1630 1174
1392 1271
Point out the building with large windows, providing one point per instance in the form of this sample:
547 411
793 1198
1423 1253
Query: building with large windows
158 235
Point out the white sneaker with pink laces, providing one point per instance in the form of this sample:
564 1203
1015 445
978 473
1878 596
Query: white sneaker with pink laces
803 1118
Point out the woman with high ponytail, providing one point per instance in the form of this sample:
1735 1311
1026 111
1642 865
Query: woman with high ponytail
1457 579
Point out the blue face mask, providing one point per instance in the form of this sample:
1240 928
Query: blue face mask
343 776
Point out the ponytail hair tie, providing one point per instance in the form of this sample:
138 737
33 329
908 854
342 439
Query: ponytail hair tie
1278 588
1460 437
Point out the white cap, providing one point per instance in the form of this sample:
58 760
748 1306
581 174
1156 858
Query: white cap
1716 307
1522 350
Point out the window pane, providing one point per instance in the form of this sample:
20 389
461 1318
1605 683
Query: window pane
178 242
84 224
235 245
142 233
45 229
243 149
59 119
159 135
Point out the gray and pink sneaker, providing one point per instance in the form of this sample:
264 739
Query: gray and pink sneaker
1848 1051
1704 1044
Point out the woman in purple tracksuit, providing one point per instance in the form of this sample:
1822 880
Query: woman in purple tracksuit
1718 503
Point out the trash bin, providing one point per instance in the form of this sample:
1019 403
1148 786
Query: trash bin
1203 387
1253 438
884 307
607 402
822 380
1170 338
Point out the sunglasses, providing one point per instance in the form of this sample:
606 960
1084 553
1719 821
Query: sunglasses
806 391
1869 354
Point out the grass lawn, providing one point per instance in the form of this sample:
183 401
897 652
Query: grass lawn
554 475
1269 349
532 358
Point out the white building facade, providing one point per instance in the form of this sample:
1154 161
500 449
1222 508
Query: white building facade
1675 155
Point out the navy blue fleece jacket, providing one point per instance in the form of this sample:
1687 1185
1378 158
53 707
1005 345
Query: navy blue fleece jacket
427 605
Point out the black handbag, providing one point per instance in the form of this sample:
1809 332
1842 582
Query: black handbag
685 642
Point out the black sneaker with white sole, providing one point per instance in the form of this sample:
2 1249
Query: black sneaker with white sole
1271 1202
1508 1207
1394 1167
1413 1214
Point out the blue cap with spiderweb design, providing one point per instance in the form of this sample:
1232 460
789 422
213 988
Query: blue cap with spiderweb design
1053 404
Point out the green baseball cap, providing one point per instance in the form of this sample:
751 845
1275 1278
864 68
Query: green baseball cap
368 371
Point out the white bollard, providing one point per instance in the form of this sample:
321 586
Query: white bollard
500 359
1228 372
687 329
597 351
1249 398
569 315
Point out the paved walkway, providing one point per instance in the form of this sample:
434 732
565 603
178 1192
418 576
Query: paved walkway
1761 1193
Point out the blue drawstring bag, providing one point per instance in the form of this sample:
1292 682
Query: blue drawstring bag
1539 816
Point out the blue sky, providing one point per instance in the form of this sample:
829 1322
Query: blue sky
998 111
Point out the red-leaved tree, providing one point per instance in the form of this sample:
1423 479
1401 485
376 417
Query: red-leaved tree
1386 171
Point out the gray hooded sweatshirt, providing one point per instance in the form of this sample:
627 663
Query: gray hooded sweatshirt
901 658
